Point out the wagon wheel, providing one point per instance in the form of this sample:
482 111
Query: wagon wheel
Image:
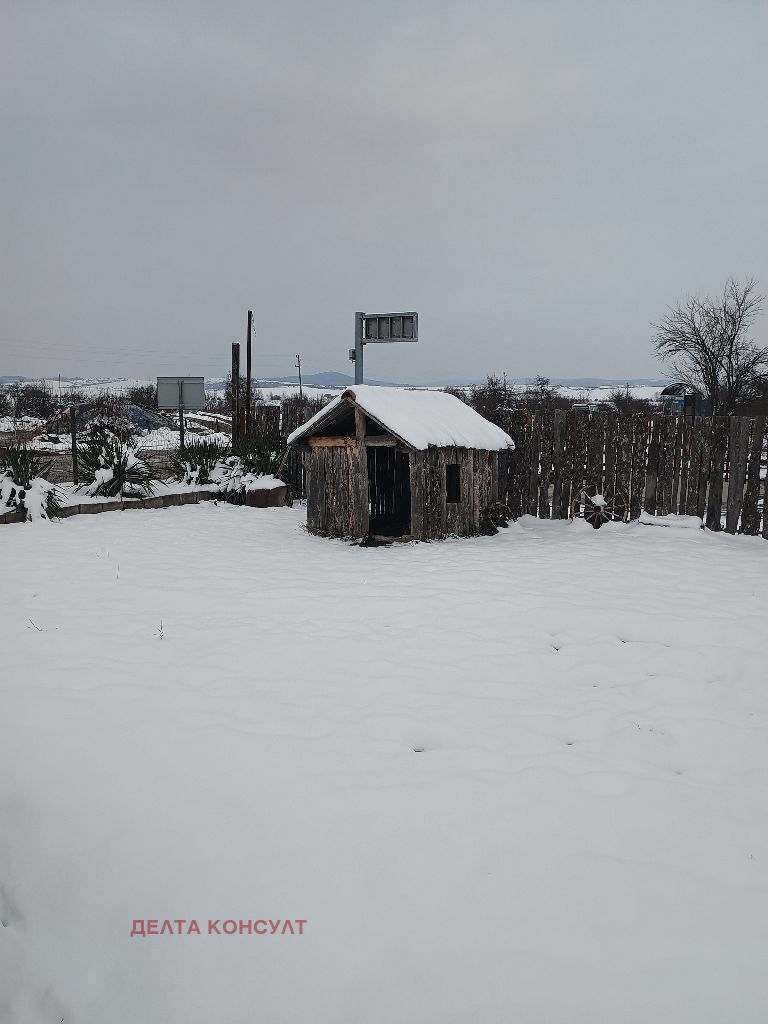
599 508
497 514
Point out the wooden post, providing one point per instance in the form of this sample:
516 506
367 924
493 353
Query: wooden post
73 433
235 390
181 428
248 407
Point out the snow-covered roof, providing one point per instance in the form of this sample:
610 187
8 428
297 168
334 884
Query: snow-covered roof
420 418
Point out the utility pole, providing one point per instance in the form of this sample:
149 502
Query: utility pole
235 390
248 409
298 367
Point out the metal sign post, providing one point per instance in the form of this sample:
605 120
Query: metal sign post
381 328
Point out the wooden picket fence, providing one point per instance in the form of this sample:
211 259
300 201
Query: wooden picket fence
712 467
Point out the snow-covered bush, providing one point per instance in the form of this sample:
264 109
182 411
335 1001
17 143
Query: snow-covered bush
253 460
194 463
23 483
259 453
234 480
112 468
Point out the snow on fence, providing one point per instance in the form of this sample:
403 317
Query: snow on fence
713 467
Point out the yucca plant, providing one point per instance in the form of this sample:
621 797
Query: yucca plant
112 468
259 453
23 483
194 463
230 476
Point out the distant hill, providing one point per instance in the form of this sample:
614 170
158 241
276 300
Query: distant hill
563 382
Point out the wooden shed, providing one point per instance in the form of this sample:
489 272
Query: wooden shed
401 464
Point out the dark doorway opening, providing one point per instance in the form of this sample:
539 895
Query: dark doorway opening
389 492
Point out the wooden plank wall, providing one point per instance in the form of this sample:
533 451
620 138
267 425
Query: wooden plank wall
432 517
714 468
337 481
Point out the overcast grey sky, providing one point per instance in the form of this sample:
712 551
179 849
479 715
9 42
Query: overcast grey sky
538 178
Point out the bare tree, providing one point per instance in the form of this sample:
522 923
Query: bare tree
706 344
625 403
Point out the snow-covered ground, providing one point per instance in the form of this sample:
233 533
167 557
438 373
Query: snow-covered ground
152 440
520 778
10 423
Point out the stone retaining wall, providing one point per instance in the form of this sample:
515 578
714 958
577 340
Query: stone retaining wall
122 505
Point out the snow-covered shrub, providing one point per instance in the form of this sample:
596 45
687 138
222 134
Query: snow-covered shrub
259 453
23 483
112 468
254 458
234 480
194 463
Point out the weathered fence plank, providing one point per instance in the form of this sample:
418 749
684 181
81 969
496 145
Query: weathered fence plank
580 448
718 452
667 440
680 469
624 460
532 502
519 464
547 427
750 512
595 452
737 470
558 448
609 462
705 470
692 496
685 463
641 433
652 467
567 470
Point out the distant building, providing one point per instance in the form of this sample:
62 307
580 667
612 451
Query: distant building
683 400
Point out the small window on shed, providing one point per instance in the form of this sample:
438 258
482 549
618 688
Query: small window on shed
453 483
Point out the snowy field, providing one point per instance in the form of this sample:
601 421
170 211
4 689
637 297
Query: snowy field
119 385
513 779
